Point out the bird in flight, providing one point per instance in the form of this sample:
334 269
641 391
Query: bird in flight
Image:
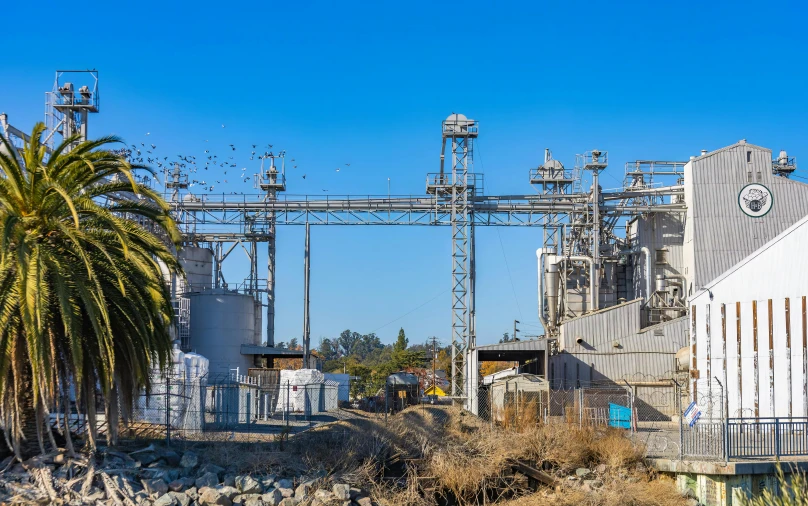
347 164
222 126
337 169
304 176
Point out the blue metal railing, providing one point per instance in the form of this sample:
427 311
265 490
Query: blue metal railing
766 437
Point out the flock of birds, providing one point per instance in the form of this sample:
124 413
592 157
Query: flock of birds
207 171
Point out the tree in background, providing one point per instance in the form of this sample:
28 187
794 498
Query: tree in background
401 342
85 308
328 349
487 368
293 344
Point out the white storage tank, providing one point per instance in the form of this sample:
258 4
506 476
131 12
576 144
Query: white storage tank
221 321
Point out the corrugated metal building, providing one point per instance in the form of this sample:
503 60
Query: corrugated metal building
749 332
611 345
718 234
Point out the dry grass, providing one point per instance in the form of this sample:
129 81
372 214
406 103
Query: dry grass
459 456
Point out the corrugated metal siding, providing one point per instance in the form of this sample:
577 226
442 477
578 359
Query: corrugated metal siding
646 354
722 234
658 231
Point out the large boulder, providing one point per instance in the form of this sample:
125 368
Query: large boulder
182 499
207 480
248 485
189 459
157 486
304 489
285 483
212 497
165 500
228 491
273 497
170 457
341 491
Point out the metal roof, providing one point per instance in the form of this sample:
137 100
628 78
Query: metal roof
532 345
254 349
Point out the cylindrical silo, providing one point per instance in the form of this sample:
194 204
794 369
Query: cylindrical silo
198 266
221 321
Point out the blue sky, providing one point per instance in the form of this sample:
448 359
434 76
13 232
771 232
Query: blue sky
369 83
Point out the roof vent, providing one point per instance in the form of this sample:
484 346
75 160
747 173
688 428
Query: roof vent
703 152
742 141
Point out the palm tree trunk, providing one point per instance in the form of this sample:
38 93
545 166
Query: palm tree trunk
30 423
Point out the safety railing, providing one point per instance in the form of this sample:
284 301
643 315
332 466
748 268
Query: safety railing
766 437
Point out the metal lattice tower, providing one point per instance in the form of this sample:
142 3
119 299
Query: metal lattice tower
272 181
459 133
67 109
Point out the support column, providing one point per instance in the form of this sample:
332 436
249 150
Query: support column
271 283
306 281
595 239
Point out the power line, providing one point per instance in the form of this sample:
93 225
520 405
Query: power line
513 288
411 311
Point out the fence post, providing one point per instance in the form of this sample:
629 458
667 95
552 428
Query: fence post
168 409
777 438
726 440
288 394
491 404
580 408
385 401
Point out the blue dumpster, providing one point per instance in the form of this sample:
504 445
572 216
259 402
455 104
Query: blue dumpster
619 416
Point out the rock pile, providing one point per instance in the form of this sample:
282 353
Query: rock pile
157 476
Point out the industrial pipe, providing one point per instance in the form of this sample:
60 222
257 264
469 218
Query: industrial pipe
540 255
647 253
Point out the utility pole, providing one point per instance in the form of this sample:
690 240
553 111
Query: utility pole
434 385
513 338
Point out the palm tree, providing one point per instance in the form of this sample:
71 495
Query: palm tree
84 309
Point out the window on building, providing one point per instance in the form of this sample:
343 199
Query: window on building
748 157
661 256
749 177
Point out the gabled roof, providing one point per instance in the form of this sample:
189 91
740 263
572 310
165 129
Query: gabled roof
727 148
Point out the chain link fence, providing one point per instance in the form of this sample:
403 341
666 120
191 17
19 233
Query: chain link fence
237 408
649 408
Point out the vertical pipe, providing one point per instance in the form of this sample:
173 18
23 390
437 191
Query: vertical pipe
771 359
756 372
595 270
693 369
740 370
306 283
724 402
788 356
271 286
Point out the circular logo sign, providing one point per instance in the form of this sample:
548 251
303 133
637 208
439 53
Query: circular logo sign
755 200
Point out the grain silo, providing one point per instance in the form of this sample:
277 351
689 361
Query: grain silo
221 322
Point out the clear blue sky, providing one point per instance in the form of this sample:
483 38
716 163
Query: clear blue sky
368 84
